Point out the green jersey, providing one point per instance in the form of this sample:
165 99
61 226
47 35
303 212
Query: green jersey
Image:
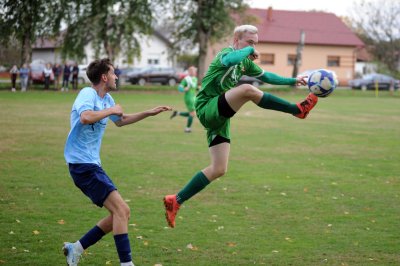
190 95
220 78
190 82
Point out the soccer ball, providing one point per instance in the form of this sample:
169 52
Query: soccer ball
322 82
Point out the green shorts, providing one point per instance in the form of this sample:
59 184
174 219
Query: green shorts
189 102
214 123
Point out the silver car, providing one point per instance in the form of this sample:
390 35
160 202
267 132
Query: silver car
368 82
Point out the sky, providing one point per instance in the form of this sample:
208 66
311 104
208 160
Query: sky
338 7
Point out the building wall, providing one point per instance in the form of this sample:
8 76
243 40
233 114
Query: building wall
152 48
154 52
46 55
313 57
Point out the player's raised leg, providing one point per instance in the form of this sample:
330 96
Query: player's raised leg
218 167
237 97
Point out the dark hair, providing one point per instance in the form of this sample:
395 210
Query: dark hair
98 68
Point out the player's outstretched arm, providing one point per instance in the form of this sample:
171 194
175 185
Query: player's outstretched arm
90 116
237 56
272 78
127 119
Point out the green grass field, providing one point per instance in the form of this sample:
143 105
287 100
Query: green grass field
320 191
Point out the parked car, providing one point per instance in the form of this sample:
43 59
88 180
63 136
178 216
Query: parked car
367 82
250 80
154 74
36 73
126 72
82 76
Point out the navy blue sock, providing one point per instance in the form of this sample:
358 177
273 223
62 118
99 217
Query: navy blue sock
123 247
91 237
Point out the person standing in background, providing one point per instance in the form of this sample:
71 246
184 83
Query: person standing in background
47 72
75 74
24 76
117 72
14 73
57 73
66 74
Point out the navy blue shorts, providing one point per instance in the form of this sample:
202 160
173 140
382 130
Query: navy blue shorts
92 180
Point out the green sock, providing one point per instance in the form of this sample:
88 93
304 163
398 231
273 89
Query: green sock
184 114
198 182
269 101
189 121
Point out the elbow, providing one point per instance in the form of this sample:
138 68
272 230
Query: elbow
85 119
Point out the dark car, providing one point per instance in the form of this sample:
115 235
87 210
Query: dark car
368 82
250 80
154 74
129 71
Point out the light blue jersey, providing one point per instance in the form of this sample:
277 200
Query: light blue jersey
84 141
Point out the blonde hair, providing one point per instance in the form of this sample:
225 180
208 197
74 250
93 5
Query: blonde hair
239 30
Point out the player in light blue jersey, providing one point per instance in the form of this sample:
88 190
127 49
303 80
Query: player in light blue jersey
90 113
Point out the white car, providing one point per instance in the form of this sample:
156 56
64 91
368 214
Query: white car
82 77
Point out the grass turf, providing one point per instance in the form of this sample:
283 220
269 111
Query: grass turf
320 191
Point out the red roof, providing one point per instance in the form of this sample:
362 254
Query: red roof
280 26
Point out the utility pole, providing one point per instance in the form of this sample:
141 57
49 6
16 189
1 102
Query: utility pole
297 60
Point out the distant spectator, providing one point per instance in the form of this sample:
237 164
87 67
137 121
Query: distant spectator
66 74
57 74
75 74
24 76
13 72
47 72
117 72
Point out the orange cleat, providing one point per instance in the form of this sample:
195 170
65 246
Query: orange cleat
171 209
306 105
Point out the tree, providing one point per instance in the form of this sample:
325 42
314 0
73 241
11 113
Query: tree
25 21
203 21
111 26
377 23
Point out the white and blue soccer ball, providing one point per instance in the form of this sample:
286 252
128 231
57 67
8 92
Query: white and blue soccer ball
322 82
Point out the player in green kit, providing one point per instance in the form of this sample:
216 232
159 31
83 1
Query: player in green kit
219 99
188 86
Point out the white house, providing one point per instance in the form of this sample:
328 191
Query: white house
155 50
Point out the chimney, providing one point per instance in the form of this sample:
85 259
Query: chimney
269 13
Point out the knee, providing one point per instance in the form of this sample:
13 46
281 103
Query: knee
219 171
124 212
249 91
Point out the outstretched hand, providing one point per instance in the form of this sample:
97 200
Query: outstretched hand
301 80
159 109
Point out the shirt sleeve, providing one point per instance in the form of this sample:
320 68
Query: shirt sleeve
275 79
236 56
85 100
113 118
252 69
184 82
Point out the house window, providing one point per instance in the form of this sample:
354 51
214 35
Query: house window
153 61
267 59
333 61
291 59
